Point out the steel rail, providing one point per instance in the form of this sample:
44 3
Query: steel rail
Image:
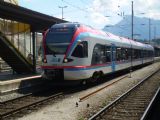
148 110
116 101
14 99
98 90
23 96
30 105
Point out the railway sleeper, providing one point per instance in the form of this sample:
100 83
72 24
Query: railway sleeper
130 108
122 114
135 102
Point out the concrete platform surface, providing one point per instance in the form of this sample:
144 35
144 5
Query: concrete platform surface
9 82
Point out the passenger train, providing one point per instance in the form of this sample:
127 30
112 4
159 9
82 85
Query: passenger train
73 51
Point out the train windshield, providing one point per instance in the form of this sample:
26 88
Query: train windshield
58 39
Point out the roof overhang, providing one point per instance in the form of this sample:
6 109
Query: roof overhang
38 21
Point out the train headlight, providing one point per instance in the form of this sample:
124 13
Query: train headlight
44 60
66 60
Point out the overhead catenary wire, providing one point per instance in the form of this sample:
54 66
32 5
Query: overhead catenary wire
74 6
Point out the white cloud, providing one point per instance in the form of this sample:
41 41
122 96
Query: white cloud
149 7
100 8
98 18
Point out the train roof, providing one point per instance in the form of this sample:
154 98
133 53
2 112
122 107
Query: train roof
125 42
67 24
117 40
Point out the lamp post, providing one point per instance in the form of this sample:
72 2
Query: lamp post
62 7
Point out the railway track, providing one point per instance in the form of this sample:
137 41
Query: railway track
132 104
152 111
10 108
18 107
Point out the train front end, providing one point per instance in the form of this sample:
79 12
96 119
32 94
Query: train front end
63 52
55 44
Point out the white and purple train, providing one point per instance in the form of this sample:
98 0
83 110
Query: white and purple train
72 51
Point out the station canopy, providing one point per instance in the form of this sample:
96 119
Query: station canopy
38 21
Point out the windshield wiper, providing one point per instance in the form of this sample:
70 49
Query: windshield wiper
51 51
54 53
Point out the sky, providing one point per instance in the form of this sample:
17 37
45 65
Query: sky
96 13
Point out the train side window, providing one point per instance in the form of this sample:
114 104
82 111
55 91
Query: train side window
135 54
81 50
129 52
144 53
124 53
101 54
108 53
147 53
151 52
98 56
95 55
140 54
118 54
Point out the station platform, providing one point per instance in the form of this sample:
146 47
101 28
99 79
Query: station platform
13 82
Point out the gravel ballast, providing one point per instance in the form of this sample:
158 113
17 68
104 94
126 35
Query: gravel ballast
66 109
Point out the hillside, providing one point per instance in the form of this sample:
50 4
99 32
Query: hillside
141 28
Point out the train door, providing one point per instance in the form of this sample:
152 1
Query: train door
113 56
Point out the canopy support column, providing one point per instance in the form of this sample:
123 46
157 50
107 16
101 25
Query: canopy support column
34 49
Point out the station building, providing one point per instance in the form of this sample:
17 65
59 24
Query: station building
23 28
18 33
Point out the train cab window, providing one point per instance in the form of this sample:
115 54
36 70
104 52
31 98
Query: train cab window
81 50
